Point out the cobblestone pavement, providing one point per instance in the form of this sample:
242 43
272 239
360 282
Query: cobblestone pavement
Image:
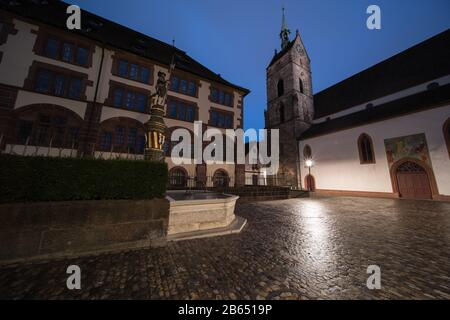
290 249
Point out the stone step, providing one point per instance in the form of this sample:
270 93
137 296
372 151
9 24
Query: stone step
235 227
299 194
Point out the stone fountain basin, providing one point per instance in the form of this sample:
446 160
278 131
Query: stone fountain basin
196 213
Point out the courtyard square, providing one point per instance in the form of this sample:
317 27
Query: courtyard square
311 248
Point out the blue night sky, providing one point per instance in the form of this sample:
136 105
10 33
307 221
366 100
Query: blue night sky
237 38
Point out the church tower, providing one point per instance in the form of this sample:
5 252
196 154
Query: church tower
289 101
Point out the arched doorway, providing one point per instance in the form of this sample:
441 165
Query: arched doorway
178 177
46 125
121 135
310 183
221 179
413 181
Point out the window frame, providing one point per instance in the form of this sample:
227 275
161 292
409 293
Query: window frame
52 127
140 66
72 47
184 78
446 132
120 142
68 81
40 48
180 104
221 178
221 92
54 70
178 177
280 88
223 113
365 137
136 92
307 152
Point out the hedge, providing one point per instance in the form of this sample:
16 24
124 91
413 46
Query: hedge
24 179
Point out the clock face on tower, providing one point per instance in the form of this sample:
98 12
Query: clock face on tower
299 49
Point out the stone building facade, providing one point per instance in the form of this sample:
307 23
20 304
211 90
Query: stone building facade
289 102
385 131
86 92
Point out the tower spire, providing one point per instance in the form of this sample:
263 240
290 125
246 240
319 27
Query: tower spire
285 32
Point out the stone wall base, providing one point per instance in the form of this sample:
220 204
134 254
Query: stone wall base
45 230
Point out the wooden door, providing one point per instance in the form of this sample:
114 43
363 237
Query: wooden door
310 183
413 181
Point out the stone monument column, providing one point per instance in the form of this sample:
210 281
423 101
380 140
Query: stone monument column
155 134
155 126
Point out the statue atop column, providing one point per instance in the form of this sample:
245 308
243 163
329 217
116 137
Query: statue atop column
159 97
156 128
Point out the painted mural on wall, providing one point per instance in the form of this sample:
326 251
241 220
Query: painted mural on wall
414 146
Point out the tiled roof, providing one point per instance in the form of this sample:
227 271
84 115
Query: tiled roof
423 62
53 12
413 103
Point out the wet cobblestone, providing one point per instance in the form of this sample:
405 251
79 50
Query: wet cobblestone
290 249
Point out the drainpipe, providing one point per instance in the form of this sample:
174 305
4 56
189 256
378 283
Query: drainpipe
100 70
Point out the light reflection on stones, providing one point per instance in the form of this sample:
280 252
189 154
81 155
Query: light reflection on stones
292 249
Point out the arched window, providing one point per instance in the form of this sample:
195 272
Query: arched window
307 152
178 177
282 118
221 179
447 134
280 87
365 146
121 135
47 126
302 89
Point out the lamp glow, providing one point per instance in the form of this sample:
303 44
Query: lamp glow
309 163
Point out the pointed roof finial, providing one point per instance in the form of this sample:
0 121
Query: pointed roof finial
283 24
285 32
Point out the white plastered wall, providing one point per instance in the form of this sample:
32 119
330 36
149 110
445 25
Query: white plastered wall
336 158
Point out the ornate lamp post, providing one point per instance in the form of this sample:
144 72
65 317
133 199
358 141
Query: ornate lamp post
155 127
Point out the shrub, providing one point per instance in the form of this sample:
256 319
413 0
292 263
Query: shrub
62 179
